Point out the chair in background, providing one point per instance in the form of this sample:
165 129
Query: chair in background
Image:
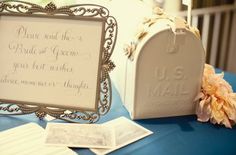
217 26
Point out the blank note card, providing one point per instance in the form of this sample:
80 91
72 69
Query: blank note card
28 140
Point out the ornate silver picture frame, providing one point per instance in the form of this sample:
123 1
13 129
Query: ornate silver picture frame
92 30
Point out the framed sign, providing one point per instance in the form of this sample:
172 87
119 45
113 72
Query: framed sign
56 61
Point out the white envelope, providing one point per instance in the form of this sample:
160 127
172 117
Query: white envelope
126 132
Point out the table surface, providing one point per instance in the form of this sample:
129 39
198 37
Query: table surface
172 136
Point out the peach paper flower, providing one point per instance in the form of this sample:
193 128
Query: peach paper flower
217 100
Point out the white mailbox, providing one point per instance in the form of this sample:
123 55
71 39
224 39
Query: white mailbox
164 74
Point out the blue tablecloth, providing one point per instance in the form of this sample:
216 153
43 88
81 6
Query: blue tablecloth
172 136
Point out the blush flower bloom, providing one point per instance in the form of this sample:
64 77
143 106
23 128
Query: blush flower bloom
217 102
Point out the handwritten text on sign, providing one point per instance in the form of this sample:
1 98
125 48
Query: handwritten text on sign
50 61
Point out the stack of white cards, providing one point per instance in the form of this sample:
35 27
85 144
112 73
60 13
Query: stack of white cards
101 139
